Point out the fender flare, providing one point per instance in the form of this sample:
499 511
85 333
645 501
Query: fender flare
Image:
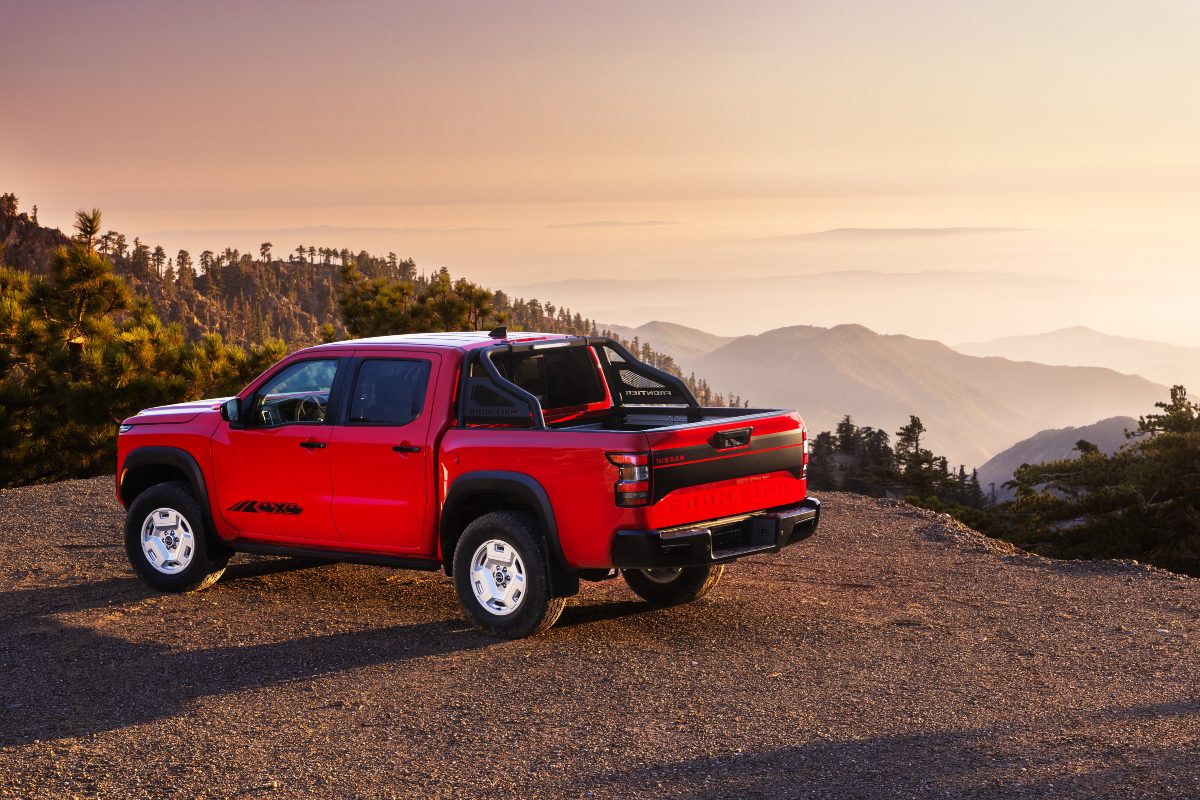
531 494
180 459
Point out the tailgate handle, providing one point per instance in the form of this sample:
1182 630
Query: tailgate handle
724 440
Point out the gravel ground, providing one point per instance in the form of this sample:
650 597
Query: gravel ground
896 654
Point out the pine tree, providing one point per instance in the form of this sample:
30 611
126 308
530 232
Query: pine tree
87 228
158 259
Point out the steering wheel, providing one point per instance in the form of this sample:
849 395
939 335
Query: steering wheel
310 409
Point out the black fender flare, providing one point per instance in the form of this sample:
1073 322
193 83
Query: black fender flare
180 459
530 493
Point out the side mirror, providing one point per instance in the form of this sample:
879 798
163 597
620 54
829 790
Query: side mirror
231 410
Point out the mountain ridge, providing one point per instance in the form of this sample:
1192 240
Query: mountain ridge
1053 444
1079 345
681 342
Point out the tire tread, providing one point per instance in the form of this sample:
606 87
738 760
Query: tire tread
691 584
521 529
204 570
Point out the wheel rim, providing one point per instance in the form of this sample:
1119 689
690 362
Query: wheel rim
498 577
167 541
662 574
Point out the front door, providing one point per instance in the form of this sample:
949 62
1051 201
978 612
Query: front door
272 470
379 456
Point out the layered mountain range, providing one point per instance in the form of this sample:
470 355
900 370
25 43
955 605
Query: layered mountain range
973 406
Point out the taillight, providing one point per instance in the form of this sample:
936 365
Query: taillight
633 488
804 437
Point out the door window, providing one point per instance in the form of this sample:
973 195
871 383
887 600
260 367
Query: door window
299 395
389 391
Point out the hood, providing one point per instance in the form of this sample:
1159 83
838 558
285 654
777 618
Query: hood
176 412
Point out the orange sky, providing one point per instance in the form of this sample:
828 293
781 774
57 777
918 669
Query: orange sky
491 137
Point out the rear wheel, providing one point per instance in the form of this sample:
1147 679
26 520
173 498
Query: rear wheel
166 542
502 576
668 586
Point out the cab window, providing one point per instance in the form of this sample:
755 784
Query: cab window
389 391
298 395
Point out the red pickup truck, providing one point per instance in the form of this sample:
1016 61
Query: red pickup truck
519 464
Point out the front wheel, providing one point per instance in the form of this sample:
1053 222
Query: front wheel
669 586
502 576
166 542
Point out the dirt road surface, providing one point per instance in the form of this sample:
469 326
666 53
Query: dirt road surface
893 655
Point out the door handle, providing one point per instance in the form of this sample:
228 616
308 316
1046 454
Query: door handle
313 445
407 448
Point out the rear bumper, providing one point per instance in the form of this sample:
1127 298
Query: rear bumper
719 541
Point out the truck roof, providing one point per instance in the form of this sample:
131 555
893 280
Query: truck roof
460 340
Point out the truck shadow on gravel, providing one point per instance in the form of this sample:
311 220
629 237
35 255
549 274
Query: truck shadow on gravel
576 615
1001 761
64 680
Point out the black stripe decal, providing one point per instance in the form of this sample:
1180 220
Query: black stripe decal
770 453
682 455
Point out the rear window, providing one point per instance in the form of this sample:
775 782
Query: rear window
559 378
389 391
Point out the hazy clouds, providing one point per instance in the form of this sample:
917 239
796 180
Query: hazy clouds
689 141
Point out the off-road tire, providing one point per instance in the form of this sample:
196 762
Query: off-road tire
536 611
691 583
203 569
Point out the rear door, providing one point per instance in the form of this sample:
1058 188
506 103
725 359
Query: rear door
380 458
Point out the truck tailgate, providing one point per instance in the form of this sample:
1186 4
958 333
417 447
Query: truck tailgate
728 466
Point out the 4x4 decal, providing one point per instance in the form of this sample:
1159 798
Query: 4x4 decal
266 507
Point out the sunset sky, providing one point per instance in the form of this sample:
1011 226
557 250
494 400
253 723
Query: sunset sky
1049 151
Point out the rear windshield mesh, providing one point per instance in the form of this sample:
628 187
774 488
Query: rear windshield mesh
560 378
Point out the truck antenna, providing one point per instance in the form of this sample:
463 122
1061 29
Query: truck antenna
499 333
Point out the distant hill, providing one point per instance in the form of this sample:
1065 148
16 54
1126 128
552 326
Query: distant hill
26 244
736 303
973 407
242 298
684 344
1163 363
292 293
283 291
1051 445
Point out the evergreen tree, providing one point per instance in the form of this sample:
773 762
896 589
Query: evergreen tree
87 227
821 466
79 354
158 259
183 263
139 259
847 436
